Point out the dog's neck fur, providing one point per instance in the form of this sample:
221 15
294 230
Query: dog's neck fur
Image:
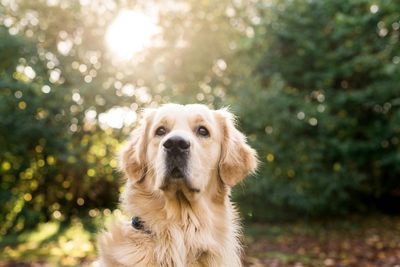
194 226
177 209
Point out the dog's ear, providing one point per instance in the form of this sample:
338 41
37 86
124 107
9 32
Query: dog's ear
238 159
133 155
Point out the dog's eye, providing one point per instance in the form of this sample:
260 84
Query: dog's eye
203 131
161 131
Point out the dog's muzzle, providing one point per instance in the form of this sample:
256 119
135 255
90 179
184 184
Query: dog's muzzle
177 150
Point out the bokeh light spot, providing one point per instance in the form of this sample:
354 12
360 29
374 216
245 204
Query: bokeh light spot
22 105
6 166
27 197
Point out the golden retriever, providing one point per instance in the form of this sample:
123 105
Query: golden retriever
180 165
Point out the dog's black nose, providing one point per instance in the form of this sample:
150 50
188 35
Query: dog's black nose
176 144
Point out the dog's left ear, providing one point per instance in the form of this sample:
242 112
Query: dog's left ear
238 159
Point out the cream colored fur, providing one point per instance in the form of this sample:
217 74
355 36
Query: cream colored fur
183 228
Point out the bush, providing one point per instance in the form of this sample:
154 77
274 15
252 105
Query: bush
52 160
326 118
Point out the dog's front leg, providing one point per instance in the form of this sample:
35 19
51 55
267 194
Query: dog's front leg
123 246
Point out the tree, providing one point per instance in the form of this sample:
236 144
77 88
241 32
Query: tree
328 133
58 82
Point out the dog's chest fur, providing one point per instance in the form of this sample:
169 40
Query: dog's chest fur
175 235
186 245
191 236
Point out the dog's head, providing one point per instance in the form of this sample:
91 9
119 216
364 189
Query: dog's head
187 148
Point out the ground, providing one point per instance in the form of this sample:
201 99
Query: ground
350 242
357 242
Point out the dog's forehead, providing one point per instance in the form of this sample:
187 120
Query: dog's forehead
192 112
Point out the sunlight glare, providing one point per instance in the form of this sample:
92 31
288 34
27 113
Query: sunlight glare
130 33
117 117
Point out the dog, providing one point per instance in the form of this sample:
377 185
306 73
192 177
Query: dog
180 166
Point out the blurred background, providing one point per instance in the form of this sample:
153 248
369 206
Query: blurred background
316 86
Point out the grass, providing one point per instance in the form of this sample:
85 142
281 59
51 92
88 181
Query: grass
373 241
51 242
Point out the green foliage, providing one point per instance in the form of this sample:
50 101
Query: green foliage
326 117
57 80
48 152
315 84
55 160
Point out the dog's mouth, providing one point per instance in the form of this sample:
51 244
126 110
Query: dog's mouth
176 178
177 186
176 173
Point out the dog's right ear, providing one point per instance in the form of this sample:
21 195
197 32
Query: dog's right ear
133 155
